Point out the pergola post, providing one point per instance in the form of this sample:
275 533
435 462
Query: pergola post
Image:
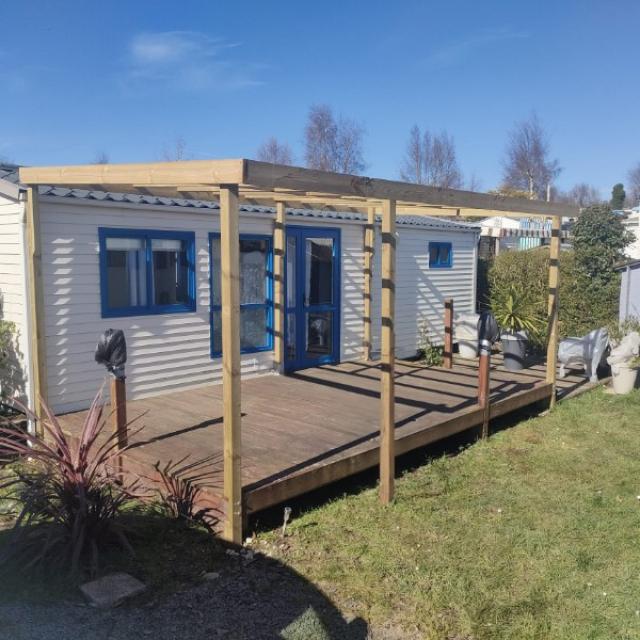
387 362
36 303
554 282
230 268
369 248
279 247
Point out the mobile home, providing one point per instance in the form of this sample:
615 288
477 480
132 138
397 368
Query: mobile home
151 266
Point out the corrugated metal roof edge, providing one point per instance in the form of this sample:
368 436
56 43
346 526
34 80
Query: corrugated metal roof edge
101 196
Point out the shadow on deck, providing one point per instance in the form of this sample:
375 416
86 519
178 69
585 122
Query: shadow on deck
306 430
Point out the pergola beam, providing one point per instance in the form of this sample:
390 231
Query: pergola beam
272 179
268 176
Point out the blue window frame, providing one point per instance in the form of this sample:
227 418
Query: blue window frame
256 293
440 255
146 272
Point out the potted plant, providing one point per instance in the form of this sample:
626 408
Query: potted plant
515 313
625 362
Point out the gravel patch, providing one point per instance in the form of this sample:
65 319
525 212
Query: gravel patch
263 599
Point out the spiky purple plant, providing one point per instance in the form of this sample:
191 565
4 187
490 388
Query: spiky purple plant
68 497
180 487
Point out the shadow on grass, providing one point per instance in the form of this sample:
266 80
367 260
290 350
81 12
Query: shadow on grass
246 596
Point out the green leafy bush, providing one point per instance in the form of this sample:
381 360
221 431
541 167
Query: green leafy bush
7 330
429 353
7 335
515 310
583 307
618 330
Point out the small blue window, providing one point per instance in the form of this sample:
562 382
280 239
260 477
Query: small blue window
146 272
256 294
440 255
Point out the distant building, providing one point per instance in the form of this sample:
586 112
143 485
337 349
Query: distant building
631 221
630 290
506 234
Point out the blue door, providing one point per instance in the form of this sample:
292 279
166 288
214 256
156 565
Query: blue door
312 327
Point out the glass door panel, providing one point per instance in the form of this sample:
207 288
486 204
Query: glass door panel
319 326
313 297
318 286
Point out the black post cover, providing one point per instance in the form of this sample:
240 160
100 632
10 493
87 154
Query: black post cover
111 351
488 331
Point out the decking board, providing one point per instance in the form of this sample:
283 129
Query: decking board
302 431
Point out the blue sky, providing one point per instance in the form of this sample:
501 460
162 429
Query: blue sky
130 77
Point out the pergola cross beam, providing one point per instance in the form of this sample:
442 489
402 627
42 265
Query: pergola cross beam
271 182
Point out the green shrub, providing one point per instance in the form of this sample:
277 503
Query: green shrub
583 306
7 336
618 330
514 310
7 331
599 239
430 354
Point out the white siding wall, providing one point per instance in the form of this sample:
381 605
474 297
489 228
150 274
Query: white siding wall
12 292
171 351
165 352
420 291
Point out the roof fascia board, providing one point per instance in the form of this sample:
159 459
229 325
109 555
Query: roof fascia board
9 189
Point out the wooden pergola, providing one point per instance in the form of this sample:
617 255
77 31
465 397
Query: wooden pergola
232 182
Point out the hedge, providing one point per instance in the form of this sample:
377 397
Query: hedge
584 304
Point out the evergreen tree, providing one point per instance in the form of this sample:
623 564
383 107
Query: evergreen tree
618 196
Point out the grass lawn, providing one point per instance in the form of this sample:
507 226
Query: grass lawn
531 534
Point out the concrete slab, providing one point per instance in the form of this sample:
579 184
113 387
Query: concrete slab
112 590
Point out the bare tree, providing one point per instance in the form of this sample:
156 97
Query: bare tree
474 183
333 145
581 194
275 152
527 165
178 151
634 186
413 165
102 157
431 160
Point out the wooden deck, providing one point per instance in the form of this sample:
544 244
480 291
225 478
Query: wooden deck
303 431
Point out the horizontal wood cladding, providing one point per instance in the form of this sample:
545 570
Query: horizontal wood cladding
13 303
421 291
166 352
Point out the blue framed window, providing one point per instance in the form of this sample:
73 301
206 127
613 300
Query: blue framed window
256 293
440 255
145 272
